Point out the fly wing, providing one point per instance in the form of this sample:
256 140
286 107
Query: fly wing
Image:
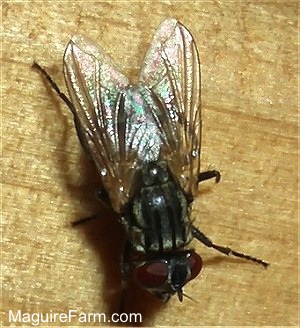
97 91
172 72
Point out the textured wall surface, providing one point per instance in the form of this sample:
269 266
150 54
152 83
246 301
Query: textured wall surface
248 55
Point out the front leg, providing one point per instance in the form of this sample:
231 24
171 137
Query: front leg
225 250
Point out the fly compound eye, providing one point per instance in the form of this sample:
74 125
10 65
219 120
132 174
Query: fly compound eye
152 274
195 262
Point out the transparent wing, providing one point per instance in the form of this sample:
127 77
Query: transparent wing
98 91
172 71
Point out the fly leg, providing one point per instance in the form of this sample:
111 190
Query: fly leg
68 102
209 175
124 273
84 220
54 86
225 250
102 195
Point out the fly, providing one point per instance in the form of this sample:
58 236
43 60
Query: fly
145 141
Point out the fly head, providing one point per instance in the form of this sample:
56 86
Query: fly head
166 275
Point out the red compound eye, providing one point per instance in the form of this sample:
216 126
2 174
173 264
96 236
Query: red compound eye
195 262
152 274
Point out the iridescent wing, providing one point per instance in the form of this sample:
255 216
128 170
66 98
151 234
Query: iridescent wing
108 115
172 72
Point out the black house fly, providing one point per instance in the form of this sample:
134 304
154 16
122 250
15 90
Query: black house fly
145 140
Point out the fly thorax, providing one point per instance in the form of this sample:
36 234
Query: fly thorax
159 217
